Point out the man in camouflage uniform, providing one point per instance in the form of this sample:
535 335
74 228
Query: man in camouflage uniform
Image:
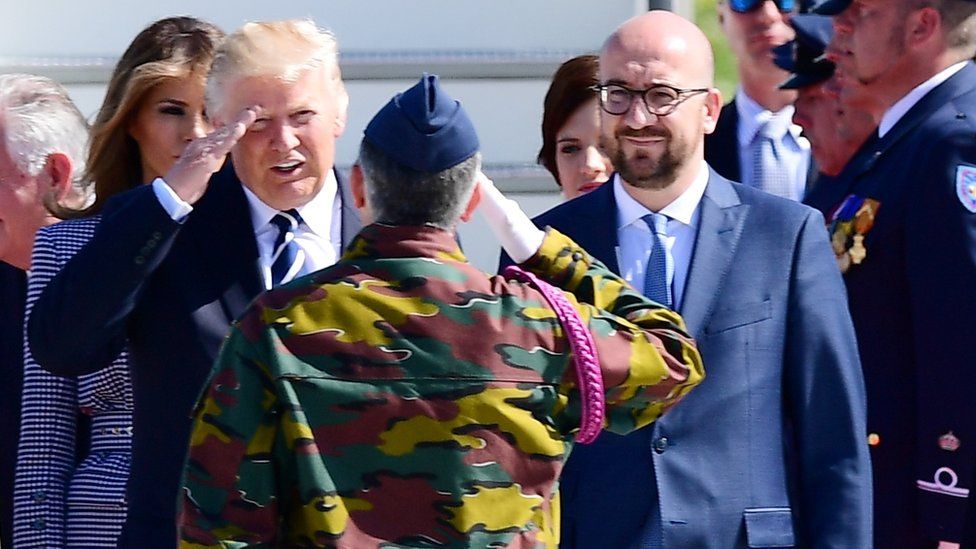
404 397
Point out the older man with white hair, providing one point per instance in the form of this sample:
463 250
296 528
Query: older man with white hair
42 162
175 262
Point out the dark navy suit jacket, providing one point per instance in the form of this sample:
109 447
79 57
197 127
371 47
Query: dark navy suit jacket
13 295
770 450
174 290
722 145
722 148
913 301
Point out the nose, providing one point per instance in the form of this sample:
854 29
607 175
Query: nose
842 22
768 11
197 128
594 163
283 138
638 115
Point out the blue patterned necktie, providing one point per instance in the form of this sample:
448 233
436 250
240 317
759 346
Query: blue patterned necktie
287 257
659 264
769 171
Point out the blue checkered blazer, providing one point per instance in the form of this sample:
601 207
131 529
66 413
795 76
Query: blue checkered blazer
57 501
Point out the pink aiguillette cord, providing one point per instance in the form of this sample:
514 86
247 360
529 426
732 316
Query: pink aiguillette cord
588 374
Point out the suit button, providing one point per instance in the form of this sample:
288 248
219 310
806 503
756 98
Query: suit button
39 496
38 524
661 444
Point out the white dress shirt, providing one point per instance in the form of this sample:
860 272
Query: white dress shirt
319 235
905 104
795 148
635 238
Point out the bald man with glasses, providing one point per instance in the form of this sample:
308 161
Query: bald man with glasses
770 450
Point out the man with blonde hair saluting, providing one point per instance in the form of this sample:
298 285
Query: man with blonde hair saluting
173 263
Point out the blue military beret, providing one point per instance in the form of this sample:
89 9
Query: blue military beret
424 129
783 56
813 33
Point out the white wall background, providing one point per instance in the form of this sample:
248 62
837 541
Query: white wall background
503 95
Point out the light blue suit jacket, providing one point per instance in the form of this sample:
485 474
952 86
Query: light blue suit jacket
770 450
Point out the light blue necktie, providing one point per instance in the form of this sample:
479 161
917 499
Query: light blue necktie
660 263
769 170
286 252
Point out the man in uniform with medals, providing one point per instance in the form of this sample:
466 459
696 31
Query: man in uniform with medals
902 218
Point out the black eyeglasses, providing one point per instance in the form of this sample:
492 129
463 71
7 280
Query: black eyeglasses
660 100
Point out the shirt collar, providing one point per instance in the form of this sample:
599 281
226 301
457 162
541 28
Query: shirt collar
752 115
317 213
905 104
680 209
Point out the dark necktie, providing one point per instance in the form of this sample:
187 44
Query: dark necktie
287 257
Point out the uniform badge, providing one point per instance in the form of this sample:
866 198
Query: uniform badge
966 186
848 225
949 442
940 486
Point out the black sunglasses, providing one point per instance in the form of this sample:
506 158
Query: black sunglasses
743 6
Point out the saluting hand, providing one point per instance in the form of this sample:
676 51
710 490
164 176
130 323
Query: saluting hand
202 157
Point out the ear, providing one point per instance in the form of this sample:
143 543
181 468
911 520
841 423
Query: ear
342 110
472 203
56 179
357 186
713 107
922 26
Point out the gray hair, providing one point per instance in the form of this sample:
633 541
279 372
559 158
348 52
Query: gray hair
40 119
399 195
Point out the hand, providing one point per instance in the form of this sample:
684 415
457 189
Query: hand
515 231
948 545
190 174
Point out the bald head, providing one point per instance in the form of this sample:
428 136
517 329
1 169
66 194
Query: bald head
658 102
661 37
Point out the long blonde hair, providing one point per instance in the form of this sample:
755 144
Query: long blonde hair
175 47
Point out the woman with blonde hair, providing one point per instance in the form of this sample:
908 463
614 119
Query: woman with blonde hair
153 107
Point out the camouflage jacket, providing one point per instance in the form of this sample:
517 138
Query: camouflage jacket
403 398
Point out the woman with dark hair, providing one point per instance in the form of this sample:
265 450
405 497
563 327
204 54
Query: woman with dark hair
153 107
571 129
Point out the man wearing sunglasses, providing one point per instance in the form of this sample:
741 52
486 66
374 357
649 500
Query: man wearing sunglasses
769 451
903 221
755 141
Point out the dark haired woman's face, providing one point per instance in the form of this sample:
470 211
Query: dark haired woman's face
581 164
170 116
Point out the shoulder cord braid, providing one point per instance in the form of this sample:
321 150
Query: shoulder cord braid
588 373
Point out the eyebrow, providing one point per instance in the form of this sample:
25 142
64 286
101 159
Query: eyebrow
173 102
561 139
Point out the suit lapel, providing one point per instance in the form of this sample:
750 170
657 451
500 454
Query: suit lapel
722 220
598 213
225 247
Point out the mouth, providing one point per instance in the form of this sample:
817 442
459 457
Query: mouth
288 167
643 140
591 186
